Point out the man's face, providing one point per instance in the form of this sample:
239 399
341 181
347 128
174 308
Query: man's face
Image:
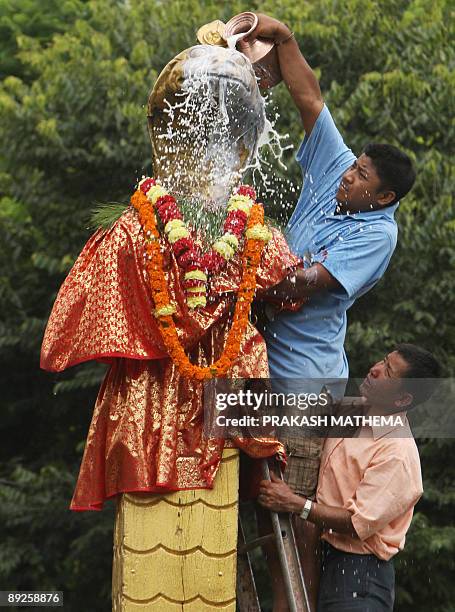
383 385
360 188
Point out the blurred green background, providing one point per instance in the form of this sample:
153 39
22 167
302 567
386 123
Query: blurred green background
74 82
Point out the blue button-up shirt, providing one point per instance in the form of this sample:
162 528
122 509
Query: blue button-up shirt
354 248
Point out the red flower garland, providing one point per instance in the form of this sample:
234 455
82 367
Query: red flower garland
199 266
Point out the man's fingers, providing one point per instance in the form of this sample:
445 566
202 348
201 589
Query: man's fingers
263 489
274 477
262 499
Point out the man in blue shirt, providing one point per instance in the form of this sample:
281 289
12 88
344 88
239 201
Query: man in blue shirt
343 226
346 249
344 229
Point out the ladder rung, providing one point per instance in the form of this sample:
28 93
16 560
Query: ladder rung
270 537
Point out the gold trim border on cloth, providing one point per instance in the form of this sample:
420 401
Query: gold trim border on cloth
178 552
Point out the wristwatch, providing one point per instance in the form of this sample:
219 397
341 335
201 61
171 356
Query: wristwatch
306 509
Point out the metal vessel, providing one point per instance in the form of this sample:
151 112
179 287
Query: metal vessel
261 52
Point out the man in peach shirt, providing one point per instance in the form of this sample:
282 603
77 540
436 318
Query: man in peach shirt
367 489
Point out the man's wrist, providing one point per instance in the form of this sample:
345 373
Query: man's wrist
305 512
281 31
284 38
298 504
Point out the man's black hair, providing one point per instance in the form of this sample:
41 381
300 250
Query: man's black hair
422 372
394 168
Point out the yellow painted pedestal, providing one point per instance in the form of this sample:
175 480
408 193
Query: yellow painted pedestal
178 552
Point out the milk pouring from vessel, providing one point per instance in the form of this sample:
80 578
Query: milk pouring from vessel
261 52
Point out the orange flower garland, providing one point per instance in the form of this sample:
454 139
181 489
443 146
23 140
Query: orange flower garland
163 308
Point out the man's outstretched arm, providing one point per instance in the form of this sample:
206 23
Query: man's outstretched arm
303 283
297 74
276 495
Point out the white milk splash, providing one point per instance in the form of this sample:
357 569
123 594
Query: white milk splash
216 132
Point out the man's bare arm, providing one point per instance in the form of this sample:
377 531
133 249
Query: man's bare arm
278 496
303 283
297 74
328 517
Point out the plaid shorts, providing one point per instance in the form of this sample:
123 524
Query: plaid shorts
302 469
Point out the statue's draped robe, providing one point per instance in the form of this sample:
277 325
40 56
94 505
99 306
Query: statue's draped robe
146 431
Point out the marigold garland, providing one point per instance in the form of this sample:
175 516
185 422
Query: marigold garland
251 257
187 252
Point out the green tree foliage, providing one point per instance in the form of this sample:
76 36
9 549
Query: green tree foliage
37 20
75 79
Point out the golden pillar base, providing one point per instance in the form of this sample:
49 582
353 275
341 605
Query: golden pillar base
178 552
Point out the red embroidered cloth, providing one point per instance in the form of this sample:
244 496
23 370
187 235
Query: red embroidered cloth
146 431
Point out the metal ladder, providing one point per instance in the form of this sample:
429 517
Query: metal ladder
283 536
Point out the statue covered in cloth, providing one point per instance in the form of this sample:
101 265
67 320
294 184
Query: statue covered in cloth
164 310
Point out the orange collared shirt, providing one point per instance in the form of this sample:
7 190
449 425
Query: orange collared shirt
377 477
